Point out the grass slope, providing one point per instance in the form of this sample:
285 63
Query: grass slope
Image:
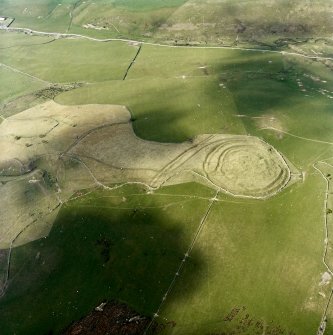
265 256
252 252
181 108
128 244
16 84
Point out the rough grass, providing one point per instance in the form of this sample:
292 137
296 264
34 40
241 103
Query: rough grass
15 84
252 252
270 25
9 40
180 108
155 61
49 15
235 263
24 144
71 60
307 114
133 244
255 243
265 256
146 4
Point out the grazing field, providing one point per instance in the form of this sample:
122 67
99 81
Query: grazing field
16 85
263 255
259 263
181 108
186 219
120 238
63 60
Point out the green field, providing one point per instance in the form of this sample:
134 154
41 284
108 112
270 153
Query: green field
256 265
128 249
16 84
63 60
181 114
263 256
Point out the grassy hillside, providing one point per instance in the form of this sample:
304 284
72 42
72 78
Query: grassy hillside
129 245
269 24
256 265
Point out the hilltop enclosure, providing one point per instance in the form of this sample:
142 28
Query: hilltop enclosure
170 161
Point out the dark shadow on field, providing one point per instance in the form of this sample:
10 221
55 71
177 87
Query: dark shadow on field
165 110
94 254
264 82
282 93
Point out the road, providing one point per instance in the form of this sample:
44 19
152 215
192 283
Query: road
67 35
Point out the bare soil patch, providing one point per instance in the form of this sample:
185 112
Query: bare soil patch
113 319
